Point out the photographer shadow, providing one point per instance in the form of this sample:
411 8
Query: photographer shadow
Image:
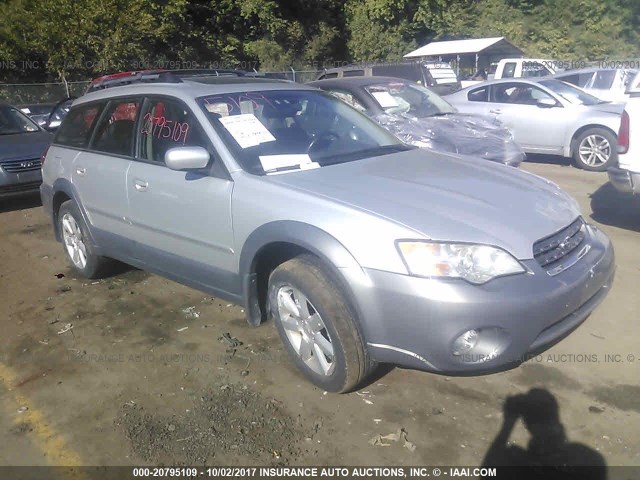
549 451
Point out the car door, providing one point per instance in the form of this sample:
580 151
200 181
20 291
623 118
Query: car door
181 220
476 101
100 171
536 127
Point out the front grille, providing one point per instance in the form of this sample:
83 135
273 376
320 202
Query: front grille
554 248
17 166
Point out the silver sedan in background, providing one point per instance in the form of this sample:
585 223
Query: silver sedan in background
549 116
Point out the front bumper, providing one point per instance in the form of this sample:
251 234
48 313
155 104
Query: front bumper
624 180
413 322
11 183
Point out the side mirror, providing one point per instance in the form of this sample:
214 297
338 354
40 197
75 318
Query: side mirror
546 103
186 158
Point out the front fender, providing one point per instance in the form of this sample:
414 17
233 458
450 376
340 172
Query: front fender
333 254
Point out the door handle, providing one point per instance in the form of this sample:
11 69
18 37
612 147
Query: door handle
140 185
81 171
495 110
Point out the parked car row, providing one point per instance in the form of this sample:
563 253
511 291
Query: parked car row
420 117
544 113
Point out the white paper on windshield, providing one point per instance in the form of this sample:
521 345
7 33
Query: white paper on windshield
385 99
221 109
246 106
247 130
272 162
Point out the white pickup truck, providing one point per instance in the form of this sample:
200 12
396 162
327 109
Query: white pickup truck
626 176
524 68
517 68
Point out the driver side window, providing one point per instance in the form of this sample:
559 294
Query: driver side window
167 124
519 94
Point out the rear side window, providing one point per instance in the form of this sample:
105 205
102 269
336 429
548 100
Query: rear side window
168 124
410 72
76 129
478 95
353 73
604 79
509 70
115 132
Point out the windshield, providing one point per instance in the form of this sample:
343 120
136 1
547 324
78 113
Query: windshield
287 130
570 93
409 99
13 121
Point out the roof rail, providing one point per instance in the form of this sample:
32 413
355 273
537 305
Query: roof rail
127 78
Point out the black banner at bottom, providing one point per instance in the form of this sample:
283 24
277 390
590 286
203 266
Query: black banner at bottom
302 473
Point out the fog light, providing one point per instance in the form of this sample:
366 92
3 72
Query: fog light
465 342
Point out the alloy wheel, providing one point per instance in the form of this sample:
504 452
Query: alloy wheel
594 150
74 241
305 330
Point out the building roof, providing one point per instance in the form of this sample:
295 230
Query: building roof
497 45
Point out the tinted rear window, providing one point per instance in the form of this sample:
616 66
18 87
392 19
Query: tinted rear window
408 72
76 128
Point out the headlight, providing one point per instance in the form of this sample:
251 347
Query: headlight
474 263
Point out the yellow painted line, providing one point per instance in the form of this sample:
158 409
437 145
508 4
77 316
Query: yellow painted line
50 442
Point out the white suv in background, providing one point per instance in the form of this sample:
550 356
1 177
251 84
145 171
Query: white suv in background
626 176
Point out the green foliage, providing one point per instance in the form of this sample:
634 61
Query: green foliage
76 39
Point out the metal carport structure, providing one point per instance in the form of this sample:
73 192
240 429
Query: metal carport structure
476 52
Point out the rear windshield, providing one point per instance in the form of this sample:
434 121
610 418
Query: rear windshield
570 93
288 130
409 99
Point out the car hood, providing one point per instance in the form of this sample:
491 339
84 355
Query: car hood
24 145
456 133
446 197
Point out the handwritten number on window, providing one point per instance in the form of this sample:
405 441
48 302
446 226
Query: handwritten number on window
160 127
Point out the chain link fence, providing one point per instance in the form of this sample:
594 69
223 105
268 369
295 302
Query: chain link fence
52 92
31 93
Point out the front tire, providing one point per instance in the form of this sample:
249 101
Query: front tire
596 149
77 243
317 325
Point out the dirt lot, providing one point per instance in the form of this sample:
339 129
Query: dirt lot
143 375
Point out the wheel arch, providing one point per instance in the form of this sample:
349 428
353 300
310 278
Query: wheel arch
64 190
584 128
274 243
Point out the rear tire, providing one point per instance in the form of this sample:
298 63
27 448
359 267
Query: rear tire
317 325
595 150
77 243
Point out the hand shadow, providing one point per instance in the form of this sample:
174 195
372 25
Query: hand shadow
548 447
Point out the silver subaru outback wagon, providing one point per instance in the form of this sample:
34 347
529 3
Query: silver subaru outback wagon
362 249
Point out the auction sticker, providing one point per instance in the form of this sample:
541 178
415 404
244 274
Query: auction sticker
247 130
